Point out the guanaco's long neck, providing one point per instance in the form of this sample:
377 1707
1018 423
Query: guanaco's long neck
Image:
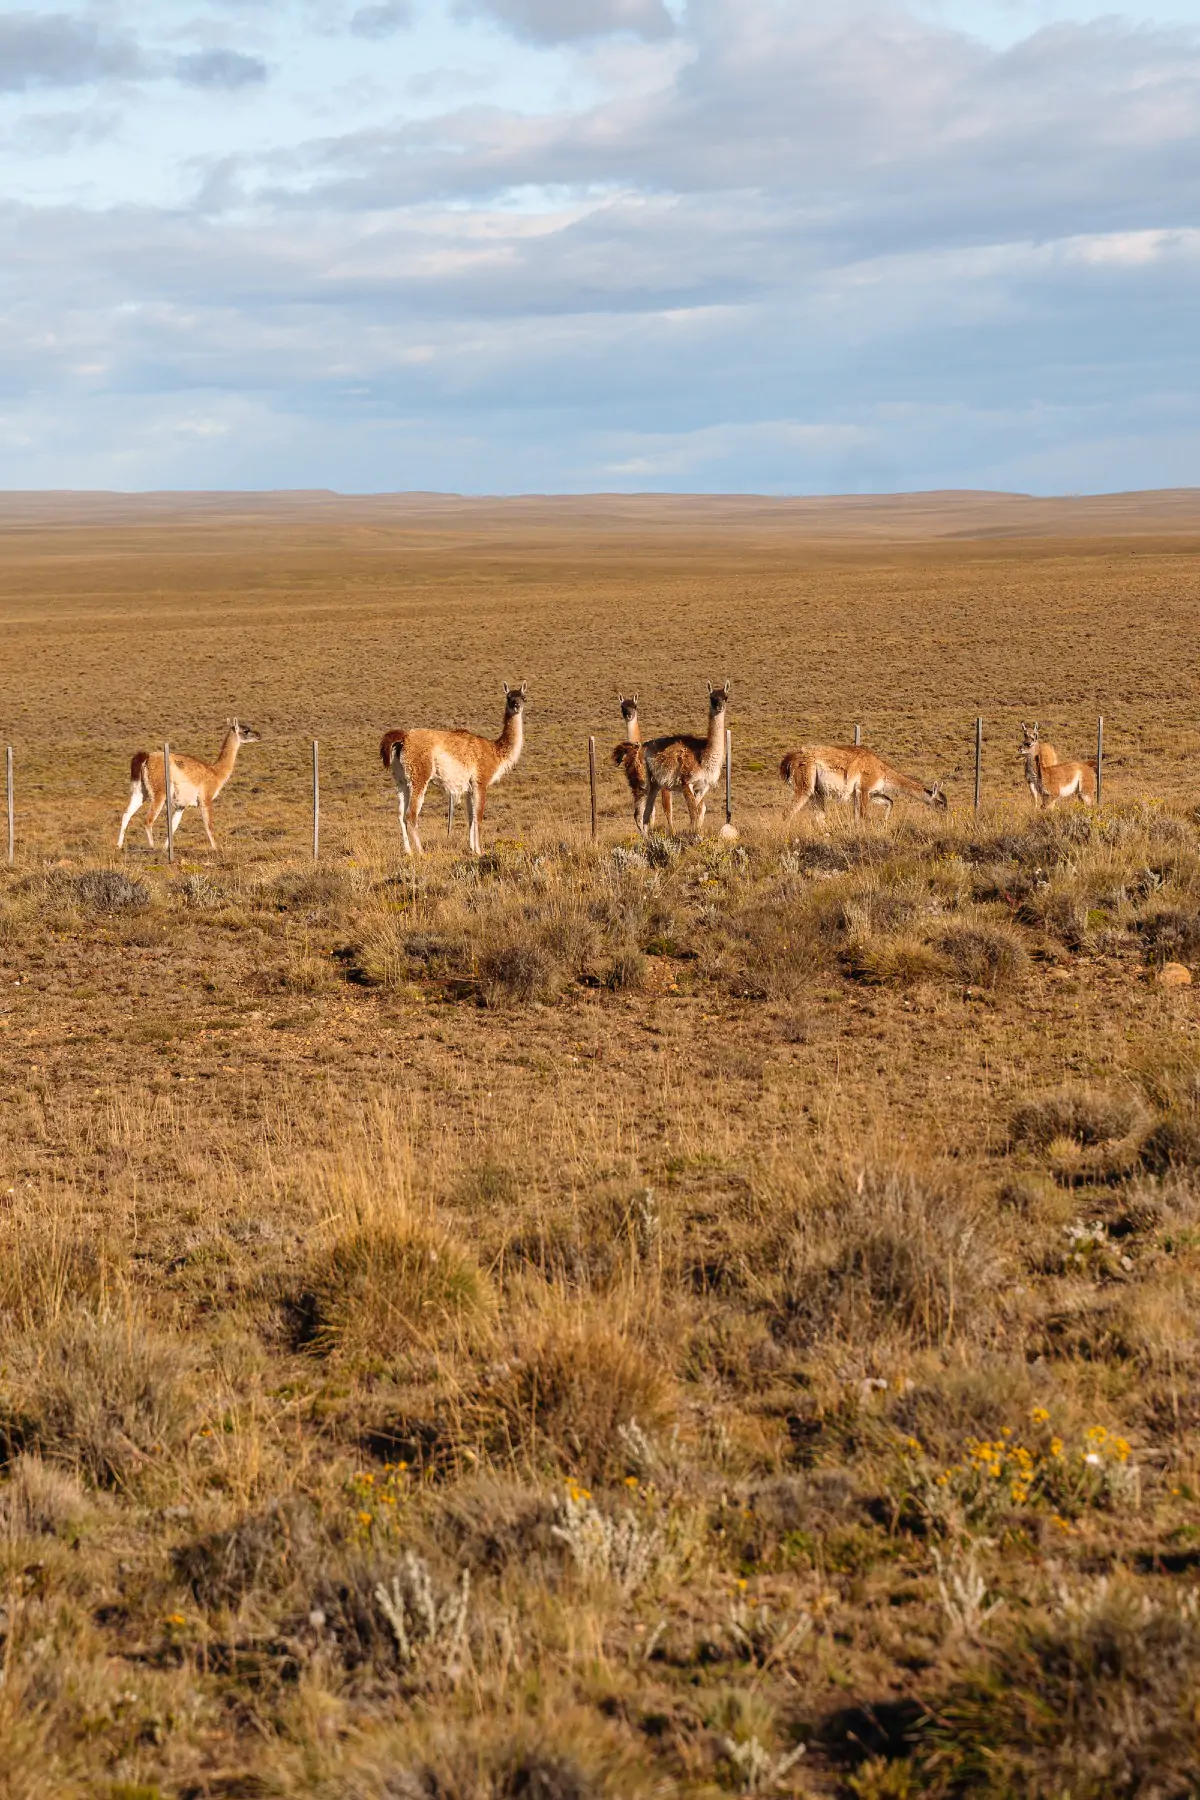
633 731
714 746
223 767
1033 764
509 744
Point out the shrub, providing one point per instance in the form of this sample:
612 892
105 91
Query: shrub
1086 1116
565 1402
103 1394
985 956
265 1550
380 1286
1173 1143
898 961
107 890
888 1251
1171 935
519 967
38 1500
1096 1699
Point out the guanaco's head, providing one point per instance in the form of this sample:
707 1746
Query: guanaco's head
936 796
628 705
1029 738
514 699
718 699
244 734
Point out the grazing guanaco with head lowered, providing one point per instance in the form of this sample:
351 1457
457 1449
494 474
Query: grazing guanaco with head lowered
824 772
686 765
193 783
631 757
1050 780
463 763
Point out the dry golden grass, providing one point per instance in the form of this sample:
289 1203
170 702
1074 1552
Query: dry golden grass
743 1264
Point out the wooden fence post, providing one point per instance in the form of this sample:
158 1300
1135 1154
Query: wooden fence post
169 808
449 814
857 736
9 773
316 803
728 777
592 781
978 761
1099 759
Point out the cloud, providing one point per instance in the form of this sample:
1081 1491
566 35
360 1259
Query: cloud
382 20
225 69
789 250
40 49
568 21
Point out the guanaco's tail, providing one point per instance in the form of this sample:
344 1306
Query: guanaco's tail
389 744
791 765
137 769
626 754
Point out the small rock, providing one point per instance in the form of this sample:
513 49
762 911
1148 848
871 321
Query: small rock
727 833
1174 975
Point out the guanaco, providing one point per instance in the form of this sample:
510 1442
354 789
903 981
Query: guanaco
1050 780
686 765
193 783
463 763
824 772
630 757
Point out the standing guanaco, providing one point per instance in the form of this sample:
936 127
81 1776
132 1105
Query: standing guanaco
462 762
686 765
193 783
630 757
1050 780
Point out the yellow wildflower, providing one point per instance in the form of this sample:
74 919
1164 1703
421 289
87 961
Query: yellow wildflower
1039 1415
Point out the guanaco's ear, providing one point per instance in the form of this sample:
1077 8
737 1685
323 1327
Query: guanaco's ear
524 687
633 697
504 685
709 686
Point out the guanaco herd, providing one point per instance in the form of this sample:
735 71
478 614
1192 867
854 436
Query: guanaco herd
467 765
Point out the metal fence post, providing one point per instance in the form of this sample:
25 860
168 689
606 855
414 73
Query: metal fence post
978 761
592 781
9 773
857 736
316 802
728 777
1099 759
169 804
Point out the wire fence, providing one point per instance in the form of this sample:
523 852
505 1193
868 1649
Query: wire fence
172 806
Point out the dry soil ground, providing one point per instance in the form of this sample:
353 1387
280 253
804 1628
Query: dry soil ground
706 1319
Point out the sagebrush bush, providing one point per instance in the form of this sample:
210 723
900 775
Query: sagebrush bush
1083 1115
104 890
39 1500
103 1393
1095 1699
261 1553
889 1253
985 956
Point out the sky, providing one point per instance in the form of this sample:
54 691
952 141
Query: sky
498 246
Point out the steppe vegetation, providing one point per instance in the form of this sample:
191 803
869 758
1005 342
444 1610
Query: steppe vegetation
607 1319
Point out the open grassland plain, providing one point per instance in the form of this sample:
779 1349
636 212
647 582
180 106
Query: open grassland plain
602 1319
